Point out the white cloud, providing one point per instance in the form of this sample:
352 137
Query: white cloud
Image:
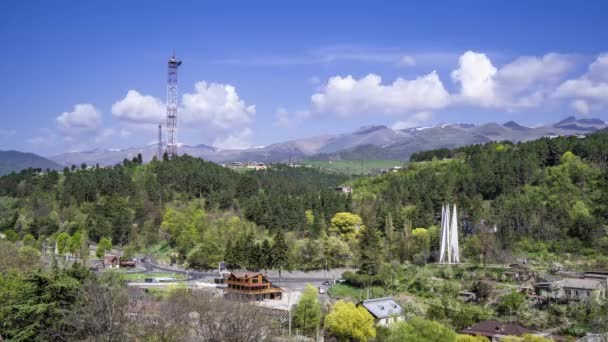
598 70
524 83
413 121
591 87
406 61
345 96
84 118
138 108
476 77
581 106
236 140
217 104
289 119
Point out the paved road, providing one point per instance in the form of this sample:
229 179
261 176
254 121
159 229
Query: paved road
291 281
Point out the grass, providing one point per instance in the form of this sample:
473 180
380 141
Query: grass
143 276
344 291
355 167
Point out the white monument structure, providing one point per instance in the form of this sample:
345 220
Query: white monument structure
449 252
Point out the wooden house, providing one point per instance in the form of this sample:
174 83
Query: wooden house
250 286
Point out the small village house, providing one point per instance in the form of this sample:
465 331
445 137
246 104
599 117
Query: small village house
385 310
572 289
344 189
111 261
496 331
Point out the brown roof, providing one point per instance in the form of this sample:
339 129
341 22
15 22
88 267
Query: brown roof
493 328
111 258
246 274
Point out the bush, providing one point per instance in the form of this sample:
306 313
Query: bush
354 279
421 330
11 235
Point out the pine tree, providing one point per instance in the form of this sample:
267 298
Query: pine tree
267 261
279 252
389 232
370 253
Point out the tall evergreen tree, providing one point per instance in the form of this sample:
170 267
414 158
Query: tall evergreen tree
279 252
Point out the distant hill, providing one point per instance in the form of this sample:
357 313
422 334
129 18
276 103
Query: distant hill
369 143
16 161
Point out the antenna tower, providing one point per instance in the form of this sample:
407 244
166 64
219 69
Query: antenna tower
159 153
172 107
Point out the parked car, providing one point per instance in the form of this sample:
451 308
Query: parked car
322 290
327 283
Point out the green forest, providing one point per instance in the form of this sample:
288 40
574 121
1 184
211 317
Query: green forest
545 196
544 200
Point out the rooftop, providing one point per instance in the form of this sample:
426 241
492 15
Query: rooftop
585 283
247 274
382 307
494 328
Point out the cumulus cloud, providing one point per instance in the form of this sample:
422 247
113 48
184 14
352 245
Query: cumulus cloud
345 96
592 87
581 106
413 121
138 108
84 118
214 104
217 104
476 77
524 83
236 140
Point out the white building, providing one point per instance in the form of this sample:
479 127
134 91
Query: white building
385 310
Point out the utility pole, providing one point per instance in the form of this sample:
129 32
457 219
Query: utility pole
159 153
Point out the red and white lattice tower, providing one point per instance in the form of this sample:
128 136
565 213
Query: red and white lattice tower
172 107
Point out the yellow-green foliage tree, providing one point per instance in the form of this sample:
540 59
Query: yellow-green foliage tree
421 330
420 242
349 322
346 225
307 314
526 338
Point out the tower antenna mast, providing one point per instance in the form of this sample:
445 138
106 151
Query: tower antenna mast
172 107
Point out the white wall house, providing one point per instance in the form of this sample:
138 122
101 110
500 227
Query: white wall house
385 310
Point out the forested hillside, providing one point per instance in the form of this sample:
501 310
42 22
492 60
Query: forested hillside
551 192
129 202
547 196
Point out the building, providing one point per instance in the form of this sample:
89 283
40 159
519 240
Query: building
519 273
250 286
111 261
256 166
602 275
496 331
385 310
344 189
583 289
572 289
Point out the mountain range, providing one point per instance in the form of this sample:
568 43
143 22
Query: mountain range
16 161
369 142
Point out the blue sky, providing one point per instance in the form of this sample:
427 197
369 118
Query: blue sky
84 74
